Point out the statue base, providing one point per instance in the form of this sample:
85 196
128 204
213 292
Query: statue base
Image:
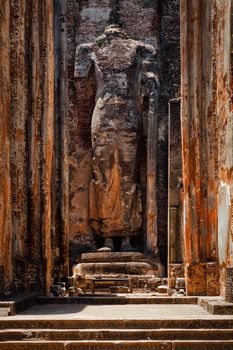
144 272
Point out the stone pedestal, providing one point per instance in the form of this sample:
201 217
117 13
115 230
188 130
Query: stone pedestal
141 268
213 277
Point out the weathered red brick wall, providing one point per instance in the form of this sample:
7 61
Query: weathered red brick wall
30 178
5 183
224 144
206 137
45 143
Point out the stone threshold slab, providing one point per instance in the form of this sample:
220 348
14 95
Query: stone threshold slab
115 334
119 345
117 299
174 323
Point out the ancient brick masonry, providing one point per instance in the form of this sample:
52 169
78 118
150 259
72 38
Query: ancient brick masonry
29 176
169 27
175 191
5 184
207 142
46 134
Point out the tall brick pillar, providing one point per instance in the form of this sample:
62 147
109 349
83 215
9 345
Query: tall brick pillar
175 238
5 181
199 190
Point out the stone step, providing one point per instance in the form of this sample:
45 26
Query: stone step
196 323
112 257
216 307
5 311
123 268
113 334
108 299
14 303
118 345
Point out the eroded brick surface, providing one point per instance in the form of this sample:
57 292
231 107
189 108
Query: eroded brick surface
207 135
45 140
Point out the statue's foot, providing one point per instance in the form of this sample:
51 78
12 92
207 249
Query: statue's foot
126 245
108 246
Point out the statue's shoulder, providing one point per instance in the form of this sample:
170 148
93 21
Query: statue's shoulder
99 41
85 48
83 60
92 46
145 49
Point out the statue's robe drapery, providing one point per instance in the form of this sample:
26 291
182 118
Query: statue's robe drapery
122 69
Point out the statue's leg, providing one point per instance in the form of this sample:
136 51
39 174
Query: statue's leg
107 187
128 164
126 245
108 245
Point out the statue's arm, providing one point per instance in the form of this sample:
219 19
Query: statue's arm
85 90
150 68
150 76
83 61
82 75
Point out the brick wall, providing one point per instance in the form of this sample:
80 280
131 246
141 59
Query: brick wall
207 137
170 89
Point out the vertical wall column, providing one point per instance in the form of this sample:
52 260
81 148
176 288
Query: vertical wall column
229 269
18 126
175 187
47 132
152 212
201 261
191 147
224 111
5 182
33 150
61 243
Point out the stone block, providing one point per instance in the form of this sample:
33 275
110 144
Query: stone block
111 257
196 279
31 345
131 268
202 345
119 289
119 345
203 279
213 276
229 284
220 308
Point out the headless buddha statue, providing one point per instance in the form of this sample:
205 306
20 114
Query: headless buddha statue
123 67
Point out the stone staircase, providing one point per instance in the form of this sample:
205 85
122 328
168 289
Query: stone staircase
140 334
51 328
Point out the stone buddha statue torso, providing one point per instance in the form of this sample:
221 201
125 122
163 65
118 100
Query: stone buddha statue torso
122 68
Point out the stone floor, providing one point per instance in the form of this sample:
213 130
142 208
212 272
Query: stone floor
103 312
